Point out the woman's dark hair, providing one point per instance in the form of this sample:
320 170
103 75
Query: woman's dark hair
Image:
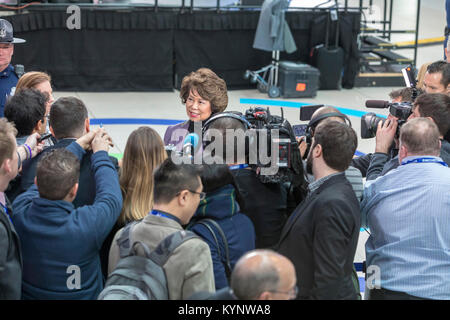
208 85
26 108
216 176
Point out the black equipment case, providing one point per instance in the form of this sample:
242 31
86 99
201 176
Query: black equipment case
298 80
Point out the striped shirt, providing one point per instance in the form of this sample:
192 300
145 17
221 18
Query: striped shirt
408 213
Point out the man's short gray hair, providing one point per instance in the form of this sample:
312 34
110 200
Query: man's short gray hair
249 282
421 137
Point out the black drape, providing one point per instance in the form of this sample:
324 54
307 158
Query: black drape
142 50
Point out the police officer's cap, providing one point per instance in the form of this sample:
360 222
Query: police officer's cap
6 33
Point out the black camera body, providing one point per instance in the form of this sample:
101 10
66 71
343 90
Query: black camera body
288 158
369 121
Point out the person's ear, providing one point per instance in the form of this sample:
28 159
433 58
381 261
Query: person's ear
52 132
87 125
317 152
266 295
6 165
403 151
38 126
35 181
182 198
72 192
430 118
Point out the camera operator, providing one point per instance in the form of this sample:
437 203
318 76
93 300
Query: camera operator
407 213
403 95
435 106
326 114
264 203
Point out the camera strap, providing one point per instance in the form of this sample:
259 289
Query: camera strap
425 160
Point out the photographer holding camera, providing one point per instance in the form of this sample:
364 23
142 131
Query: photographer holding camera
407 213
435 106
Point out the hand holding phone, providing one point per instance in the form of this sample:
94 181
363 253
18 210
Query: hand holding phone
44 137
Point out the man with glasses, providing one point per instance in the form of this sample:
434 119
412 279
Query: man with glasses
177 193
264 275
8 77
260 274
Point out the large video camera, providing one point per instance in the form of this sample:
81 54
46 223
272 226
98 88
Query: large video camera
400 110
288 158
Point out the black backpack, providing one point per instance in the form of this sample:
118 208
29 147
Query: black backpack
142 278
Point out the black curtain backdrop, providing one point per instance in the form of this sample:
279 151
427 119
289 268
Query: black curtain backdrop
140 50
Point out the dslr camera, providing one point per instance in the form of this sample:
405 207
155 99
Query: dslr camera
400 110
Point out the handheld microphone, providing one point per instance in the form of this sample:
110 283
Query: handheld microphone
378 104
190 144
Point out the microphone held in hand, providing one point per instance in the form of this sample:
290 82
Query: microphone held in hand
190 144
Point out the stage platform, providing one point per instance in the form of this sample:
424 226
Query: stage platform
134 48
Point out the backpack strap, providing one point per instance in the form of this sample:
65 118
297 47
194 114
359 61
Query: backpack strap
168 245
124 240
226 263
204 223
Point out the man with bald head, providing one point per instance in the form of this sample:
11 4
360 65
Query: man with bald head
407 213
264 275
260 274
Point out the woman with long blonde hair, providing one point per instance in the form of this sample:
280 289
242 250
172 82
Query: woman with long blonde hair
144 152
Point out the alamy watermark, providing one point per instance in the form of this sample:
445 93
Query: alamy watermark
74 280
373 277
73 22
254 147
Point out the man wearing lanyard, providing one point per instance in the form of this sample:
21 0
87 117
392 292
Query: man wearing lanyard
177 193
8 76
407 212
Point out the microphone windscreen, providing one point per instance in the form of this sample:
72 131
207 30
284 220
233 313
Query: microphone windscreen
378 104
191 138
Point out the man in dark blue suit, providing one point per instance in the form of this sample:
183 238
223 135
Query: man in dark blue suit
8 77
68 121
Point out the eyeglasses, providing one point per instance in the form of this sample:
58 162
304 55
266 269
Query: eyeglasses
202 194
291 293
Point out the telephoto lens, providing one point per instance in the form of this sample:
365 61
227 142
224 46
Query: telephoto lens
369 125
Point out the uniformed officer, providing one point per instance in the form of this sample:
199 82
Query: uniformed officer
8 76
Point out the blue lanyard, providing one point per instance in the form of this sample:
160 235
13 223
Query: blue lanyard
6 211
425 160
165 215
238 166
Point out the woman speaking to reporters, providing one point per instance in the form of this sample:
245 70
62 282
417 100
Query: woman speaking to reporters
204 94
